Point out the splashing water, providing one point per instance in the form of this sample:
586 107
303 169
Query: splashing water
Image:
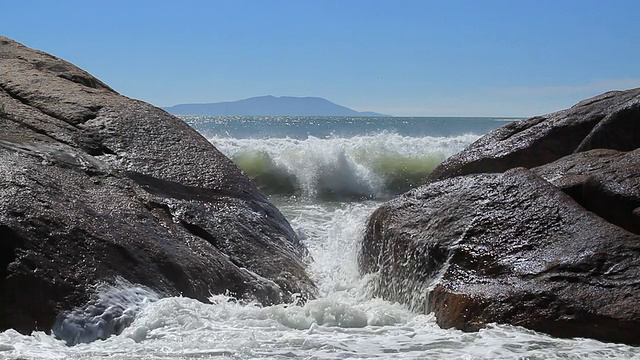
113 309
345 322
368 166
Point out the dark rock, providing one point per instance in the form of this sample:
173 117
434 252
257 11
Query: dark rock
95 186
605 182
555 248
610 120
509 248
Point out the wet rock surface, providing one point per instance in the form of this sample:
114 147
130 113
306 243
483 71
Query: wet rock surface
607 121
96 186
555 248
605 182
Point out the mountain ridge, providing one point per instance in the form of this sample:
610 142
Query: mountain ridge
270 105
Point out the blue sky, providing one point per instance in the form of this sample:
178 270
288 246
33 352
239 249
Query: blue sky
431 58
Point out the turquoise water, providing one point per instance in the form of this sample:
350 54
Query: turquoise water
327 175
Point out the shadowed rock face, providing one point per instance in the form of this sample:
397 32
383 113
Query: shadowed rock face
605 182
94 186
554 249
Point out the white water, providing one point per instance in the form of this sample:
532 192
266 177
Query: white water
363 165
344 323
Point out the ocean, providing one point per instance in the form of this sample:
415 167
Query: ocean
327 175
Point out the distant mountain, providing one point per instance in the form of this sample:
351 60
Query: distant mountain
270 106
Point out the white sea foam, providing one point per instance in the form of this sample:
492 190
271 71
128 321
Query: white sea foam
113 309
344 323
364 166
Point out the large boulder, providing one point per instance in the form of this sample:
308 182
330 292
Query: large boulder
554 248
506 248
609 121
95 186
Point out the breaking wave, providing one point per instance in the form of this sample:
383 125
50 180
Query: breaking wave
338 168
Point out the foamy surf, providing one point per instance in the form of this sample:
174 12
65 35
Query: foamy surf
112 309
181 328
338 168
344 323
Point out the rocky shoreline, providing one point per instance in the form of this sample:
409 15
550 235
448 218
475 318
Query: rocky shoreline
95 186
535 224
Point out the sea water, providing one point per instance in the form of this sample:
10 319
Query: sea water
327 175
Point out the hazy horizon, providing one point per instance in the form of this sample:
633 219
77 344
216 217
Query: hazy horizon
363 113
495 58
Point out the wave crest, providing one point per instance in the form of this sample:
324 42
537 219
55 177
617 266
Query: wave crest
336 168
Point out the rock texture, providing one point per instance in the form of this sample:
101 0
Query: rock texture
95 186
605 182
607 121
554 248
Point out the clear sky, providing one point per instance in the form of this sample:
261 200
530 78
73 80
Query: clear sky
399 57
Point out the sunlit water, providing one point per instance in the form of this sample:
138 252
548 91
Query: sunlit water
345 322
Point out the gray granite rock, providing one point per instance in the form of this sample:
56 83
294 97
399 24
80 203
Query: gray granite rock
95 186
507 248
609 121
555 248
